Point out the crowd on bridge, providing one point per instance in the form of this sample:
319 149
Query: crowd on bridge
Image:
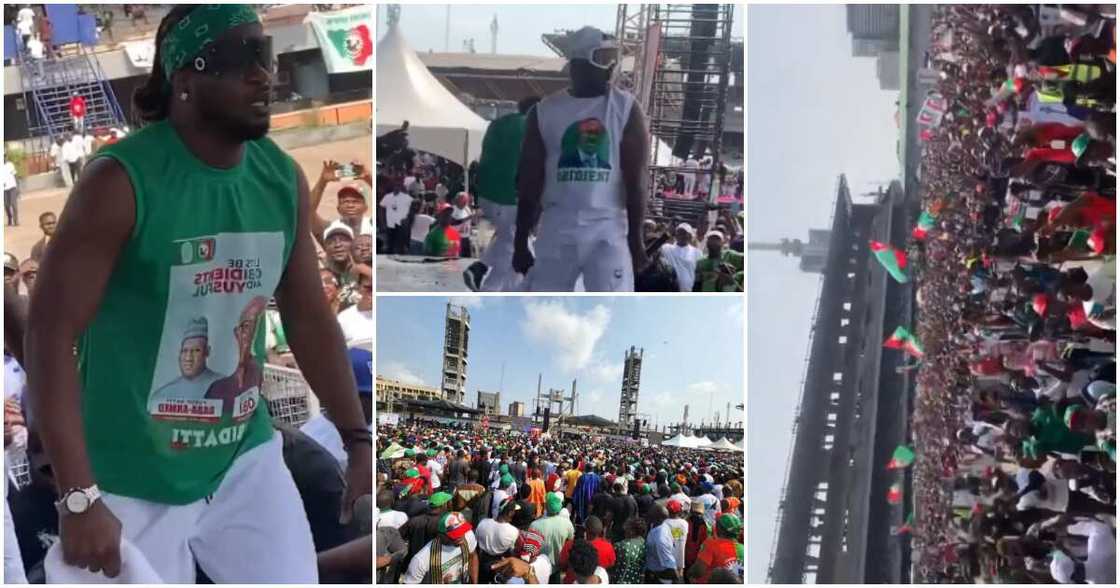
485 505
1014 265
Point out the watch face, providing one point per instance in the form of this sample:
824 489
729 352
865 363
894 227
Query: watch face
77 502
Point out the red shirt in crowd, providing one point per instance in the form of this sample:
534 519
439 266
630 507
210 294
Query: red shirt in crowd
606 556
78 107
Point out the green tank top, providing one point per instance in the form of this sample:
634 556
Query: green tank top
171 366
501 153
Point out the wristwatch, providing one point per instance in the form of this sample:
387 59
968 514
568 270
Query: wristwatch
78 500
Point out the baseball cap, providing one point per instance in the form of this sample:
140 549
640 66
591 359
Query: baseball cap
711 234
593 45
729 524
358 188
412 473
338 226
361 361
1075 416
439 499
674 507
409 453
687 228
454 525
553 503
10 262
505 480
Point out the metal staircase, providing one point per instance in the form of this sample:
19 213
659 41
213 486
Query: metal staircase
52 83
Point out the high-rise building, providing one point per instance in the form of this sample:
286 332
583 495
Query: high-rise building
490 403
456 335
874 21
631 381
517 409
887 69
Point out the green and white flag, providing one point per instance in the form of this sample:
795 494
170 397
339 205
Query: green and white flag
345 38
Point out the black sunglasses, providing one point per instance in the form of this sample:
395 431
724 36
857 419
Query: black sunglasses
236 56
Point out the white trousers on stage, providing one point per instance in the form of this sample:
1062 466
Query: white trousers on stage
689 183
499 252
596 251
252 530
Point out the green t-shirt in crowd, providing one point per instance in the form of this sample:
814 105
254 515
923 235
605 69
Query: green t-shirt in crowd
171 366
707 272
501 153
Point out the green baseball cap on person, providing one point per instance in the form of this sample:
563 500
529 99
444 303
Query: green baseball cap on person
439 499
410 453
553 504
430 453
729 524
503 469
506 480
412 473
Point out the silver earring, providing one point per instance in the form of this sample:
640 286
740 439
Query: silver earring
184 96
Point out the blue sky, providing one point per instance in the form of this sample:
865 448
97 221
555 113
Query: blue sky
814 112
520 26
693 349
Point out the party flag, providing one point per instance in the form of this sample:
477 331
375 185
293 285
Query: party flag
907 527
903 457
925 223
902 339
893 260
894 495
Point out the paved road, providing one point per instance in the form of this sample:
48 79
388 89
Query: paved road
19 240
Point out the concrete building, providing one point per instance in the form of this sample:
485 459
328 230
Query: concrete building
517 409
874 22
394 390
631 381
489 403
456 340
887 70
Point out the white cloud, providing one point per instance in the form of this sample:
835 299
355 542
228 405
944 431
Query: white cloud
474 302
395 370
605 373
569 337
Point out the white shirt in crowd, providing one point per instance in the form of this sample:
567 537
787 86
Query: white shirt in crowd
396 206
25 20
457 213
421 224
451 562
73 150
683 261
391 518
36 48
56 153
678 530
496 538
436 470
11 180
357 325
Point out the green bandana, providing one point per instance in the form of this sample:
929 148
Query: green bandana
199 29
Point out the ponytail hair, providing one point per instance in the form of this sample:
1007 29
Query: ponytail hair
152 101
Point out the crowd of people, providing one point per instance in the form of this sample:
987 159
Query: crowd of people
1014 415
490 506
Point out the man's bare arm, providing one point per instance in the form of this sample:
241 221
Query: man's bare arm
15 319
530 179
94 226
634 152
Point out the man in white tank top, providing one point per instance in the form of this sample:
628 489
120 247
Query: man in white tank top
582 179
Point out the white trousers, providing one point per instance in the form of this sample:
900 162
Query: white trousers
596 251
499 251
253 530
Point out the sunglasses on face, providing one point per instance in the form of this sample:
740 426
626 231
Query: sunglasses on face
236 57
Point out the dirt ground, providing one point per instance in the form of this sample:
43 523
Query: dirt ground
19 240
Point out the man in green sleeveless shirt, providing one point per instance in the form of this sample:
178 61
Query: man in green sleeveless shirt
169 247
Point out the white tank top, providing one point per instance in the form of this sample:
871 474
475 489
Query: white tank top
583 167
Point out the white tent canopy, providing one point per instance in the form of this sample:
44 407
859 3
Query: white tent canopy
723 445
438 122
686 441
